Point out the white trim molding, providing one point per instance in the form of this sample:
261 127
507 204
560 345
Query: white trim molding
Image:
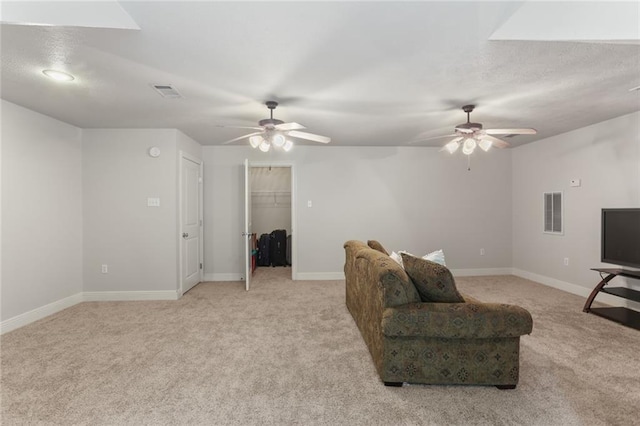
94 296
115 296
477 272
320 276
39 313
573 288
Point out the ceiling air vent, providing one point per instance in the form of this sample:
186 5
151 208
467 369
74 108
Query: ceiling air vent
167 91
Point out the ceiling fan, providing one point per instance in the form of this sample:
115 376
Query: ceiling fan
276 132
470 135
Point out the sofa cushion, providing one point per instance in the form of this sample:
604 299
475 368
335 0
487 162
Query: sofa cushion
456 320
433 281
377 246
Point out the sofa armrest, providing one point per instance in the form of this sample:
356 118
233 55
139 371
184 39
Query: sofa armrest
457 320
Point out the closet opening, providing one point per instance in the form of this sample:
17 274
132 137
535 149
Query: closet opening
272 216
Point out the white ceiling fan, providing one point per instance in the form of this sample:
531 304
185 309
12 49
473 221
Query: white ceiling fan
470 135
275 132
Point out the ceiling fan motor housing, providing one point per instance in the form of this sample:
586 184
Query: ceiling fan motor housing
270 122
466 127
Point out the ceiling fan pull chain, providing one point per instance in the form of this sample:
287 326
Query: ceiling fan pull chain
468 163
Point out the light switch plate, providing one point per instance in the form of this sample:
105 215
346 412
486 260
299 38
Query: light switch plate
153 202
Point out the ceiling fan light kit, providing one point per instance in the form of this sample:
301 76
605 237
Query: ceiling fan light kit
471 135
485 145
277 133
469 146
264 146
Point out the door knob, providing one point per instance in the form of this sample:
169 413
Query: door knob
185 235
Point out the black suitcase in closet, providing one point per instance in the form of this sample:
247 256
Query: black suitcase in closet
263 250
278 248
289 250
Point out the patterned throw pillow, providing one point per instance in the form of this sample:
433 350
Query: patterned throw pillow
433 281
377 246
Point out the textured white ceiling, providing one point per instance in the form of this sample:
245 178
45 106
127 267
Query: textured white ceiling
363 73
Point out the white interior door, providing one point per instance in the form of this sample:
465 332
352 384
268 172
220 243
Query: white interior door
191 223
246 234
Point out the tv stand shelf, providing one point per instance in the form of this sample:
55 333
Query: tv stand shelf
621 315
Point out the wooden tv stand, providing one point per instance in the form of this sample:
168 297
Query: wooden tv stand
624 316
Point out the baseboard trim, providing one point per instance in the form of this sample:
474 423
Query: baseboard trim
93 296
481 272
116 296
231 276
320 276
570 288
330 276
39 313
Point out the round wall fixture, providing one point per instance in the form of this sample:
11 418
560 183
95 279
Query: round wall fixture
154 152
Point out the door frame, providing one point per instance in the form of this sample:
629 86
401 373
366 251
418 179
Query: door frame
181 155
294 224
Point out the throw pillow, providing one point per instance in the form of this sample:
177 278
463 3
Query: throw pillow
433 281
395 256
436 256
377 246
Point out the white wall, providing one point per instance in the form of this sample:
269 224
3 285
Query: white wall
270 199
416 199
606 157
41 211
267 216
188 145
138 243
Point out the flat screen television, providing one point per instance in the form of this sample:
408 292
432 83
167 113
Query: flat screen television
621 237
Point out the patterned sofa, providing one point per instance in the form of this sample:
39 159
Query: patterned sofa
470 343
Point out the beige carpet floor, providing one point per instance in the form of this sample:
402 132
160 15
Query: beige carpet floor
288 353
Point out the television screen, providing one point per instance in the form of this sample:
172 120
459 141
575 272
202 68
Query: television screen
621 237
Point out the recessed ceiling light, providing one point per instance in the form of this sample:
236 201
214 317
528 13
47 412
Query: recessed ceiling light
58 75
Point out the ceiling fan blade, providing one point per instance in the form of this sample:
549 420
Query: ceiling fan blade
432 138
241 137
289 126
238 127
309 136
511 131
498 143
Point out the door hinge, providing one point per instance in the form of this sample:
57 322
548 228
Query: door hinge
200 222
201 266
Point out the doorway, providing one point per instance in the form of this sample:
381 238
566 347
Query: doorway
272 209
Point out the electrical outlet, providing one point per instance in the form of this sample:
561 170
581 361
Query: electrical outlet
566 261
105 269
481 252
309 203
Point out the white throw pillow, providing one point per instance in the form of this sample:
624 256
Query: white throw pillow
435 256
395 256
